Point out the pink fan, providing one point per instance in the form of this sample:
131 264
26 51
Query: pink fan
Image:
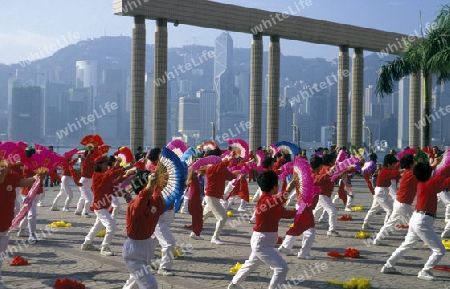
274 149
306 182
342 155
243 171
260 157
241 145
177 146
209 146
406 152
12 152
209 160
368 167
42 159
340 167
443 163
26 205
70 154
286 170
225 154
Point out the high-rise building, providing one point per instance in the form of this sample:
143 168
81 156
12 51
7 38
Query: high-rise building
224 77
55 95
242 84
208 102
189 119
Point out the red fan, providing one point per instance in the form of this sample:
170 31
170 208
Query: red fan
43 159
11 152
125 154
177 146
274 150
428 150
444 162
94 140
406 152
209 146
101 151
210 160
70 154
241 145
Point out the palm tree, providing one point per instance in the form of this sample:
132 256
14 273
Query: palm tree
430 56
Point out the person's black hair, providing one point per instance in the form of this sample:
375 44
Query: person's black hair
389 159
259 148
29 152
373 157
154 154
267 180
422 171
139 148
214 152
111 160
315 161
98 167
328 159
288 158
406 161
268 162
139 181
278 155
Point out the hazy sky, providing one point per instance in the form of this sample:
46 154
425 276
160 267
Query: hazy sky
32 27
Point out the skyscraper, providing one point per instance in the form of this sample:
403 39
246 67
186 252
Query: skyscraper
208 102
403 112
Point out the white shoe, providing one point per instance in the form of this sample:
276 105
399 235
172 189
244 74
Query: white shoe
445 235
286 251
22 233
426 275
217 242
65 209
389 270
305 257
195 237
347 209
54 209
234 286
165 272
86 215
77 213
333 234
378 242
366 226
241 209
88 247
33 238
40 204
106 251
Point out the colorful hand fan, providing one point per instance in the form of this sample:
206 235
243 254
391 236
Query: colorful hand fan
177 146
260 157
274 150
43 159
306 184
94 140
172 187
101 151
209 146
125 154
209 160
226 154
26 205
188 156
368 167
241 145
286 170
342 155
70 154
288 147
11 152
340 167
406 152
179 201
445 161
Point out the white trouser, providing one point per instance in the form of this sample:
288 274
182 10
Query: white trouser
243 205
213 205
86 197
257 195
263 252
115 204
292 197
3 246
17 202
166 239
40 198
444 196
135 254
381 199
185 208
400 215
103 219
308 240
31 218
393 189
420 227
65 189
328 206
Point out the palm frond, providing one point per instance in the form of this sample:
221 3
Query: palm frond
443 18
392 72
440 63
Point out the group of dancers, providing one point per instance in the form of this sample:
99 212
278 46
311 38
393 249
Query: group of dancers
211 184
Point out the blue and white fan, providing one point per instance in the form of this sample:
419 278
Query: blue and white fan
188 156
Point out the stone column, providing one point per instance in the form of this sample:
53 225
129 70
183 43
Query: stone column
256 92
357 97
137 83
273 90
160 105
414 109
342 101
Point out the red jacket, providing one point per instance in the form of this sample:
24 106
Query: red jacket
87 166
427 191
408 188
216 176
269 211
385 176
8 197
28 173
103 187
323 181
143 214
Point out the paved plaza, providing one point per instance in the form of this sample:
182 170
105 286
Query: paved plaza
58 254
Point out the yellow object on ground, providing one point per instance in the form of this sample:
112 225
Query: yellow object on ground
60 224
357 208
362 235
230 214
354 283
102 233
233 270
446 244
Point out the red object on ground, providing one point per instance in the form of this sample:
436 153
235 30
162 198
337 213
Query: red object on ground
18 261
68 284
349 252
442 268
279 241
188 226
402 226
335 254
345 218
